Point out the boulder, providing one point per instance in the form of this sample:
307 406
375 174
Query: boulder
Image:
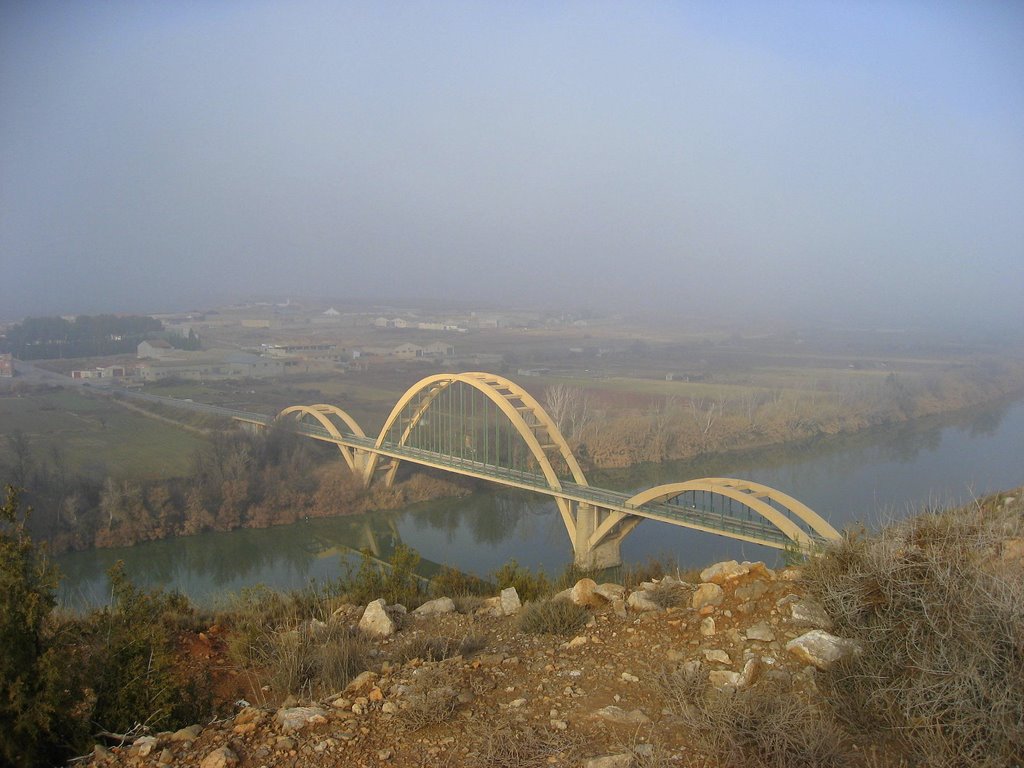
751 591
376 620
585 593
187 734
707 626
821 649
724 572
510 603
432 607
707 594
717 656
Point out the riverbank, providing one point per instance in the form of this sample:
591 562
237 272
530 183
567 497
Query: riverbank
737 664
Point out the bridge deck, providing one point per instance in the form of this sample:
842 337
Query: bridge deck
688 516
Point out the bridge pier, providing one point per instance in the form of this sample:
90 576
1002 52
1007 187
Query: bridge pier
588 555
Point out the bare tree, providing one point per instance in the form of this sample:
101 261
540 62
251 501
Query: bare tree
705 413
571 408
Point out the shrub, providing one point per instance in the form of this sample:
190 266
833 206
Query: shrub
453 583
28 664
510 744
429 648
529 586
766 726
396 581
553 617
940 618
432 697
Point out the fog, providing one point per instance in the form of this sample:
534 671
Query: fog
841 162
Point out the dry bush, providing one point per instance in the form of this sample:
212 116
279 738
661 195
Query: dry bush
766 726
511 744
314 662
553 617
432 697
429 648
671 594
940 618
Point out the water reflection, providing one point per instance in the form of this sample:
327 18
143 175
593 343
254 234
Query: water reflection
865 477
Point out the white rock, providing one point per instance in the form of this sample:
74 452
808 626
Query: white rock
821 649
432 607
376 621
145 745
297 718
619 716
751 671
721 573
809 613
707 626
641 601
707 594
510 603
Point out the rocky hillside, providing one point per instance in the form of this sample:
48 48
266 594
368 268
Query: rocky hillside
606 695
900 648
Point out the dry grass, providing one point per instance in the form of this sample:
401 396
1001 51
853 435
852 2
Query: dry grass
511 744
427 648
553 617
940 617
432 697
766 726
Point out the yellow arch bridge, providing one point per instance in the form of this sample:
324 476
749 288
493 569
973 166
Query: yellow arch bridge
485 426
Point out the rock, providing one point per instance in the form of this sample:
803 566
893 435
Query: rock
219 758
622 760
432 607
760 631
821 649
619 716
361 681
576 642
722 573
389 708
187 734
376 621
491 606
585 593
717 656
751 591
751 671
629 678
724 680
792 573
619 607
708 595
510 603
166 757
284 743
641 601
297 718
144 745
809 613
611 591
707 626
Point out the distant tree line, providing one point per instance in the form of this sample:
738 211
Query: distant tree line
239 480
43 338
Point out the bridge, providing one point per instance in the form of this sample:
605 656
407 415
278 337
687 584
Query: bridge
485 426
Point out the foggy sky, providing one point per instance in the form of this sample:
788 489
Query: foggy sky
834 160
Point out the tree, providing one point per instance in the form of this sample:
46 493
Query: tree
29 675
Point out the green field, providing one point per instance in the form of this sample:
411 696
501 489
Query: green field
96 436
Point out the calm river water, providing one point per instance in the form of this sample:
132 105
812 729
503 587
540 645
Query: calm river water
869 477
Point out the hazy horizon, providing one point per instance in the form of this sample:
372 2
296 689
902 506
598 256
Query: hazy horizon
796 161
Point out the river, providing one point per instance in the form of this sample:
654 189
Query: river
870 477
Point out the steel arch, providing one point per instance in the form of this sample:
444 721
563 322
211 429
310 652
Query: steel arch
320 412
752 495
490 386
